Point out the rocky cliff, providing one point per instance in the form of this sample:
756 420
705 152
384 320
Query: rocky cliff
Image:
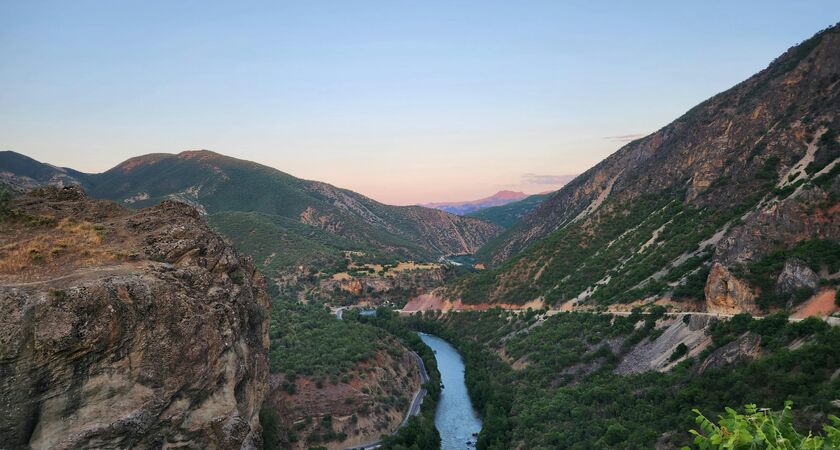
750 174
126 329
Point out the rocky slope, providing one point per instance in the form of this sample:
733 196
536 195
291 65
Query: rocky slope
20 173
126 329
372 402
393 285
282 221
750 174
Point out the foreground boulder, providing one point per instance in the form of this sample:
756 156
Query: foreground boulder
126 329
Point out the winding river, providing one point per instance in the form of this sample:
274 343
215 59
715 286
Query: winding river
455 418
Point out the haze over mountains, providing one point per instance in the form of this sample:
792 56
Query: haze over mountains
464 207
509 214
691 212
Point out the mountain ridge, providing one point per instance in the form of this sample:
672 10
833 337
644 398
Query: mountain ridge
460 208
749 172
243 198
509 214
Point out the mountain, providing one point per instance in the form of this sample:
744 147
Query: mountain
507 215
282 221
735 203
126 328
21 173
462 208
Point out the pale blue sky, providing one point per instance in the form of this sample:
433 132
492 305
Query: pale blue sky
405 101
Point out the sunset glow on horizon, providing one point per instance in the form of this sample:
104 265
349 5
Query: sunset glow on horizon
403 102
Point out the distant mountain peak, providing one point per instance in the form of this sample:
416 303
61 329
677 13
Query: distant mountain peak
508 194
138 161
264 209
463 207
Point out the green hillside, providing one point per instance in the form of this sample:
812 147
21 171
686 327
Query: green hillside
695 207
558 382
282 221
507 215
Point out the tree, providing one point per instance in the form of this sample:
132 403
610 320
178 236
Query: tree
615 434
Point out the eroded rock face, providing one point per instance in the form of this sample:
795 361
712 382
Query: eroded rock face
806 214
726 294
151 333
746 348
355 408
796 275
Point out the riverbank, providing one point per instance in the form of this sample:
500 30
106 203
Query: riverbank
455 418
616 380
414 407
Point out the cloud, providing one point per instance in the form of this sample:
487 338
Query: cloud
624 137
533 178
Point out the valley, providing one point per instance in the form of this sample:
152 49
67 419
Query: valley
195 300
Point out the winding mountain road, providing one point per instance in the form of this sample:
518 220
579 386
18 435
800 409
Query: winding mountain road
414 409
834 321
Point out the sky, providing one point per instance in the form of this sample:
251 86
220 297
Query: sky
404 101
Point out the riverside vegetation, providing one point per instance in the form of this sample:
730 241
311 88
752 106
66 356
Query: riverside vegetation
565 392
309 344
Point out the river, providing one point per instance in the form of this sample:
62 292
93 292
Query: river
455 418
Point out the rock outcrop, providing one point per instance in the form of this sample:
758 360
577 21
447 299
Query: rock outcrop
796 275
655 355
726 294
373 403
126 329
746 348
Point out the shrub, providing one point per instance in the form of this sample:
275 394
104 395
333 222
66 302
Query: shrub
615 434
679 352
769 171
761 429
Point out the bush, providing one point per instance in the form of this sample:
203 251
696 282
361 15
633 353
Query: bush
769 171
679 352
615 434
761 429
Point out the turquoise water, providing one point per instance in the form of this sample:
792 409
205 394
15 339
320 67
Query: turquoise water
455 418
